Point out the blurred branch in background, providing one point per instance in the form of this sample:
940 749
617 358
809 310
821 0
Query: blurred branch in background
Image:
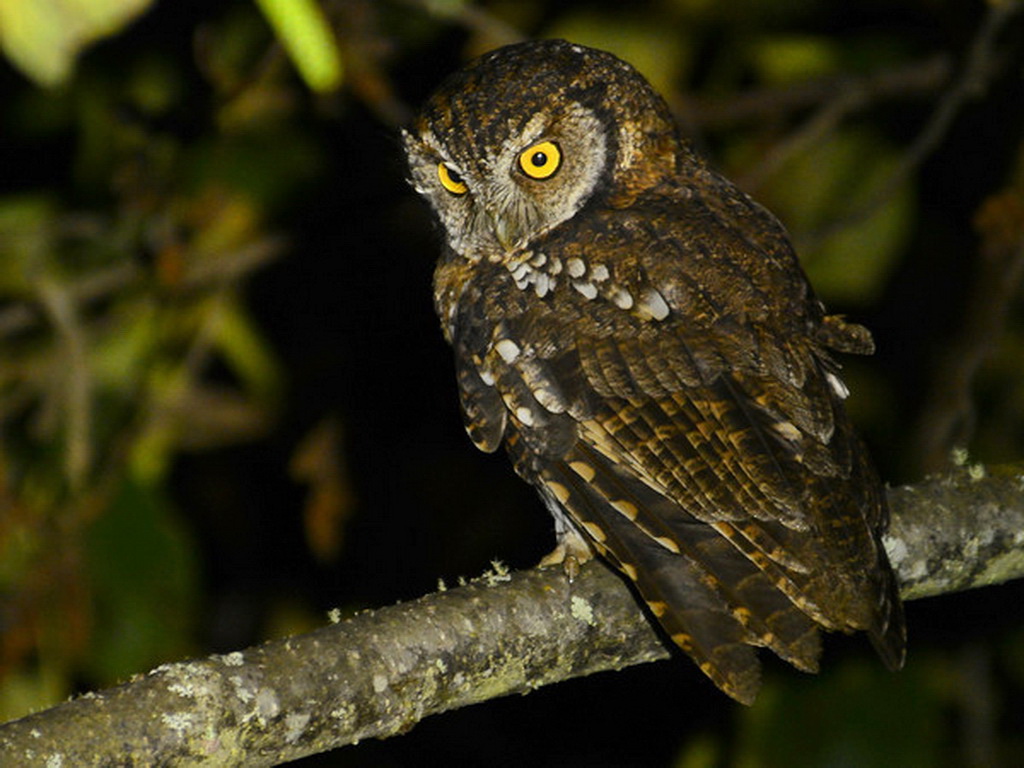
379 673
772 103
948 416
472 17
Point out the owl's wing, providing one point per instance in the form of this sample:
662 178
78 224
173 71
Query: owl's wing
671 390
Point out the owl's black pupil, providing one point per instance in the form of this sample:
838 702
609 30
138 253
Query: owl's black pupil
454 176
539 159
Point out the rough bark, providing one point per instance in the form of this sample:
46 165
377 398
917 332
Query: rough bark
958 532
378 673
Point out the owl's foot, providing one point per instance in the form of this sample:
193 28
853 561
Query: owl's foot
572 551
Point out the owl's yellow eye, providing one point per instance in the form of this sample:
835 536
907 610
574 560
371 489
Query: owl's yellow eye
451 180
541 160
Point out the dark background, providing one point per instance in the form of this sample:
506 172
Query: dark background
188 138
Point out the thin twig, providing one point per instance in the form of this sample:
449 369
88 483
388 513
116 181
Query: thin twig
71 369
472 18
367 47
85 289
225 269
773 103
821 123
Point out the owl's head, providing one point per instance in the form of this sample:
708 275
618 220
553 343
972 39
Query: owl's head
527 135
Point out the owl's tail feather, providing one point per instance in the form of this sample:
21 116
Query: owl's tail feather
885 624
759 590
889 636
690 612
712 601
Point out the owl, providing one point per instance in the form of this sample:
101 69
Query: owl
639 335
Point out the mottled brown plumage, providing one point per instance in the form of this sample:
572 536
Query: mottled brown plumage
639 335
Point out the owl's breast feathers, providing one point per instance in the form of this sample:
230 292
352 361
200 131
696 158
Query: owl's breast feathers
662 374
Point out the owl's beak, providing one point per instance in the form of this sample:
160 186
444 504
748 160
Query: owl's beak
515 221
507 234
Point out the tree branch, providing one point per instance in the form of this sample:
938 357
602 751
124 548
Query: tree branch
380 672
958 532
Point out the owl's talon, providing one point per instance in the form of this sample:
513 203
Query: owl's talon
572 568
560 556
554 557
571 552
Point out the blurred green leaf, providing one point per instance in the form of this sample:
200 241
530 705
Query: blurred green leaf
642 42
43 37
154 85
782 59
818 188
857 715
245 349
701 751
741 13
153 448
31 689
143 576
20 544
305 34
446 8
264 168
26 242
120 359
